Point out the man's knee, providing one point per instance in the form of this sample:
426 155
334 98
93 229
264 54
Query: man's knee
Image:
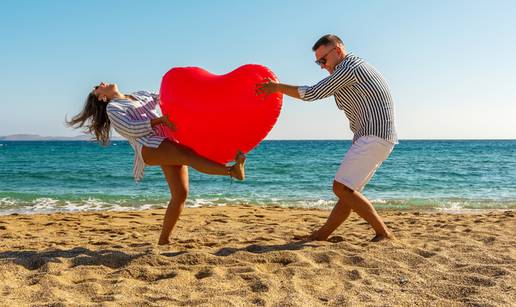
341 190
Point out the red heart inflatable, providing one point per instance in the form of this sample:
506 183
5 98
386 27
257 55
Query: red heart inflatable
217 115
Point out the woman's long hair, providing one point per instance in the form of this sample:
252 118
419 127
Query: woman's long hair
93 118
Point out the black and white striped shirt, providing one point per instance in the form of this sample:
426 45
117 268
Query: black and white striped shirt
362 92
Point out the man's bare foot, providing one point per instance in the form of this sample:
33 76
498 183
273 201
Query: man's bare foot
381 237
237 170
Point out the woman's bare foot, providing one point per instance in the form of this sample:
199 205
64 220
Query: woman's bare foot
381 237
163 241
237 170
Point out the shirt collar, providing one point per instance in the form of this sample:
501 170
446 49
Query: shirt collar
344 60
120 100
126 100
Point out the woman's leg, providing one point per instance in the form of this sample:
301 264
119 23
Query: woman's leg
170 153
177 179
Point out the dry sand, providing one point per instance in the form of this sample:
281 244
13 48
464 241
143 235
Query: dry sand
245 255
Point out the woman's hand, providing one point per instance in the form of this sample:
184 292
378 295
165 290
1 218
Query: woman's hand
166 121
163 120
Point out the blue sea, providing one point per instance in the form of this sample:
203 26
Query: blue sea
49 176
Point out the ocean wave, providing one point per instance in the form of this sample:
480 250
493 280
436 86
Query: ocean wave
49 205
9 205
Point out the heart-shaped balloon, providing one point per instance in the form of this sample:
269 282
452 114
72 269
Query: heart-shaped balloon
217 115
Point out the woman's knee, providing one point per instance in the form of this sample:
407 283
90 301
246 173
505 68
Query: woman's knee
180 197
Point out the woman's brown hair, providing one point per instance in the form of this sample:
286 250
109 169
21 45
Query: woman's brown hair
93 118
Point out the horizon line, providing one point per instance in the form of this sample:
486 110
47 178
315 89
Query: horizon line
329 139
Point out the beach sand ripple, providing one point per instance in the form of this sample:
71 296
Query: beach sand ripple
246 255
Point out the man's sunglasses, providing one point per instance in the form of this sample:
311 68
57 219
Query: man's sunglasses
322 60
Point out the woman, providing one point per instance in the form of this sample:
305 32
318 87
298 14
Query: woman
134 118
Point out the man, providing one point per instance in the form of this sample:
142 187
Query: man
363 94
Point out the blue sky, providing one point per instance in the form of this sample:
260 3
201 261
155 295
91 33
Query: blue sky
451 64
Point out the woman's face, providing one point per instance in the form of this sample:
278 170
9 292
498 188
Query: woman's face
105 91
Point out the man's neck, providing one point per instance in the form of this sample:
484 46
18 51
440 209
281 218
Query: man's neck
344 55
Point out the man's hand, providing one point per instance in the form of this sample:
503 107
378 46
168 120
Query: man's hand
267 87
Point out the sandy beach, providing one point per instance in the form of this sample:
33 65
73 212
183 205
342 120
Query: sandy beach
245 255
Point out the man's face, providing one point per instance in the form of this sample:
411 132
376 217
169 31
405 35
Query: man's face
328 57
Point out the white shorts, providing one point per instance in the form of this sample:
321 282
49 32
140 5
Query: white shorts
362 160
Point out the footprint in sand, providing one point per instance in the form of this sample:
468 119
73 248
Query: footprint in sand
256 284
489 240
425 253
336 239
165 276
485 270
99 243
220 221
139 244
354 275
135 214
187 241
219 215
204 273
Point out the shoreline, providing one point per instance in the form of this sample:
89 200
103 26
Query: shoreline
377 208
245 255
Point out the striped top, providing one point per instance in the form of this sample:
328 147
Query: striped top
131 119
364 95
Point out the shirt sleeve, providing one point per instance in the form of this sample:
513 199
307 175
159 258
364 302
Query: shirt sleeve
126 125
155 99
152 99
155 96
340 78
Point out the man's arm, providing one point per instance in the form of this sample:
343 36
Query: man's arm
270 87
291 90
324 88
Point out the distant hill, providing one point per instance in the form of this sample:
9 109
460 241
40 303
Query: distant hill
35 137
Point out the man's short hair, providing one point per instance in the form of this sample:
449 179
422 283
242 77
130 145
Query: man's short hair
326 40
